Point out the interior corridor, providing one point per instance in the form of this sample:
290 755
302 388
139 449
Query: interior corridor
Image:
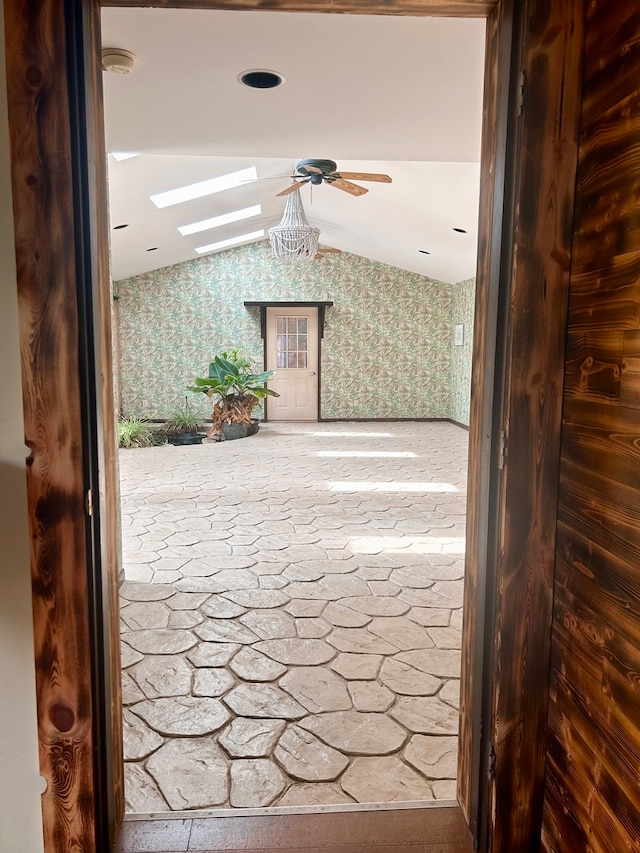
291 617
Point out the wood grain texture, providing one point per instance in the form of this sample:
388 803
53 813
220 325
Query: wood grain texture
43 209
592 794
452 8
481 415
432 830
546 154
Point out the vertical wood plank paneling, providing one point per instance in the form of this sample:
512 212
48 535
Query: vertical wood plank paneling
546 155
592 796
45 248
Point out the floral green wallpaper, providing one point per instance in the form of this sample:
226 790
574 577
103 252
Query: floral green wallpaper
464 294
387 348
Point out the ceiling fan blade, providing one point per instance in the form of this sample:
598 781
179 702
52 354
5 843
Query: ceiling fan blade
267 178
365 176
347 186
293 187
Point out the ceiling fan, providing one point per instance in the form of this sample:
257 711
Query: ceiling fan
315 172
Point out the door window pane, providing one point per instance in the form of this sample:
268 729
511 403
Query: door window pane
292 342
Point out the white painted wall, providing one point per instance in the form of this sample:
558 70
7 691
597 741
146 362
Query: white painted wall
20 783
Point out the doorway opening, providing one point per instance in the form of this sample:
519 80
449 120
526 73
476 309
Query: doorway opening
132 613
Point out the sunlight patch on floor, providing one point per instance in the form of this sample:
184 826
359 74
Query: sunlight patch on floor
366 454
335 434
368 486
407 544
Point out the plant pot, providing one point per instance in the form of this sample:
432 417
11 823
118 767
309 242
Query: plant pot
232 431
186 438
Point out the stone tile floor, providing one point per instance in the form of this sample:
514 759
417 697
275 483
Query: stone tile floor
291 617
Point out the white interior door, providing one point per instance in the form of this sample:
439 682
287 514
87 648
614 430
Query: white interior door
292 351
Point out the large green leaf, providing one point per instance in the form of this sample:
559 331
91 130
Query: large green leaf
230 377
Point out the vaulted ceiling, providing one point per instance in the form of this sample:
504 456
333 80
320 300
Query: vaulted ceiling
397 95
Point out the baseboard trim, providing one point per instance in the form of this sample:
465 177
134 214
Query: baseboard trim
381 420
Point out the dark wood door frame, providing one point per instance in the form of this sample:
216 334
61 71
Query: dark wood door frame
61 235
528 178
321 307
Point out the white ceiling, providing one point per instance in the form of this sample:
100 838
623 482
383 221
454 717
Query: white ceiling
399 95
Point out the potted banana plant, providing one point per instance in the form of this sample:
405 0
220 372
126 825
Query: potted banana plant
236 391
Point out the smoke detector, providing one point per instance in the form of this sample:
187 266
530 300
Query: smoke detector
118 60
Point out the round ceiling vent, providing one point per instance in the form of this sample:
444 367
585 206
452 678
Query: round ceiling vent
118 60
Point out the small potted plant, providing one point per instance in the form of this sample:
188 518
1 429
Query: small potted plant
236 391
183 426
134 432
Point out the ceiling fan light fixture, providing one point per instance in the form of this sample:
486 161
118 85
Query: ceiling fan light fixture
316 171
261 78
293 239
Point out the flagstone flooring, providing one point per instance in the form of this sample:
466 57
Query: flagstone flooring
291 617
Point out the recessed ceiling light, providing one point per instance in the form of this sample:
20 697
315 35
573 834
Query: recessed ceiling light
460 230
223 219
260 78
424 252
232 241
203 188
119 227
124 155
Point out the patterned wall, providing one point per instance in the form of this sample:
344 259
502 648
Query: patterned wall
386 352
464 294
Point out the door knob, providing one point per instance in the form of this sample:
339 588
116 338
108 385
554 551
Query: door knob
312 373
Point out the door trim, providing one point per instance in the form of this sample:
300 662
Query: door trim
318 356
60 216
544 135
321 305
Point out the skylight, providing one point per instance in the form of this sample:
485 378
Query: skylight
203 188
124 155
223 219
232 241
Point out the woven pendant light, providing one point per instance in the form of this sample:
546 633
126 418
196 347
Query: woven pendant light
294 239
